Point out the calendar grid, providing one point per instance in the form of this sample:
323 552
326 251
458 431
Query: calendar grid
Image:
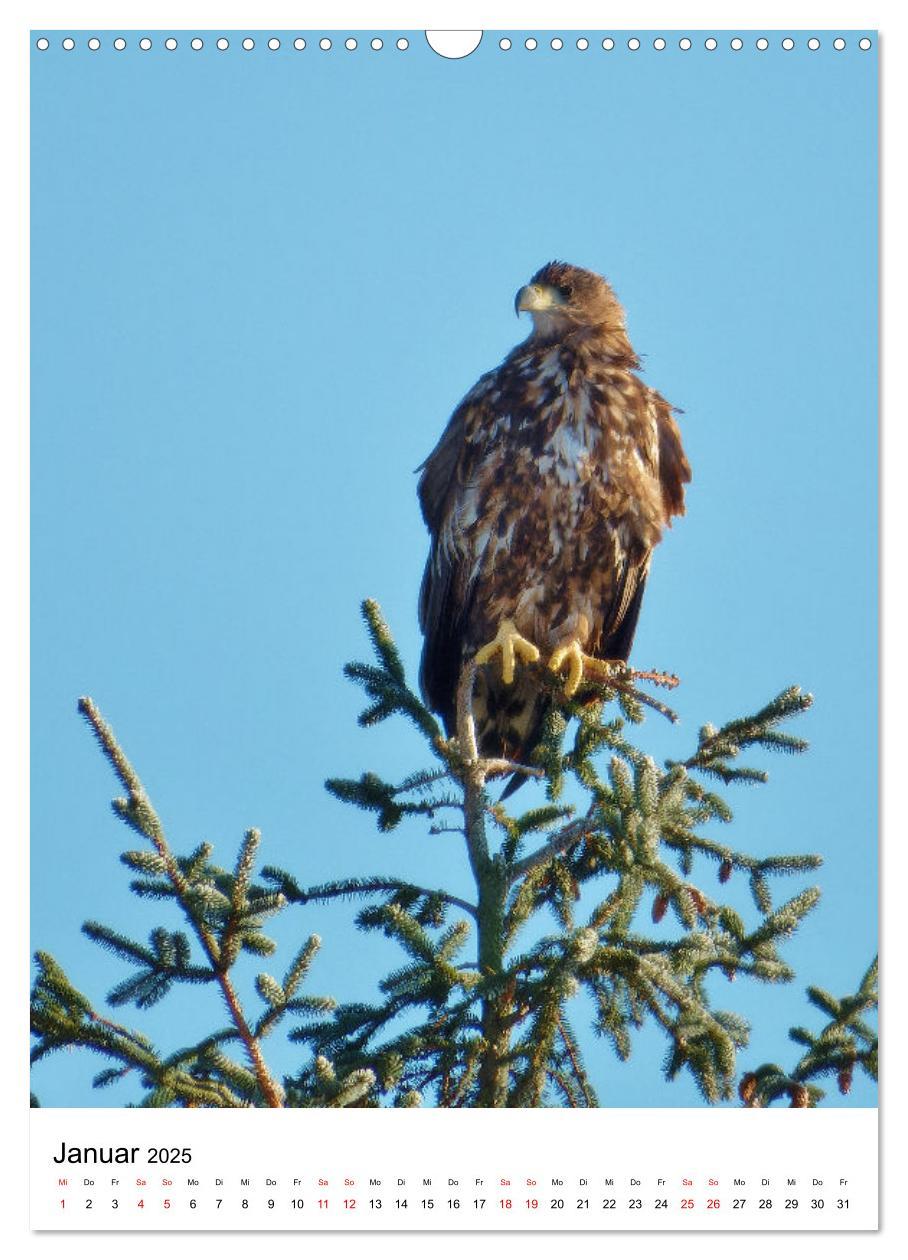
555 1170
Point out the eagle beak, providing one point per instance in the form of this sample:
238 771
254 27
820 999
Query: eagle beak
536 297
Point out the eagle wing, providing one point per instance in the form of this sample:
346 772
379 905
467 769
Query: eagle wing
449 579
658 441
619 618
674 469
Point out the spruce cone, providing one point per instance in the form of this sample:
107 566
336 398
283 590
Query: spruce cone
800 1096
660 905
747 1090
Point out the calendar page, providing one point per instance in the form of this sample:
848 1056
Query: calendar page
454 605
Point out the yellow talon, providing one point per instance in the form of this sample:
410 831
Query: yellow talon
511 644
579 664
571 653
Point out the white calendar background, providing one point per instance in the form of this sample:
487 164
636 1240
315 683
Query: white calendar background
231 1156
788 1169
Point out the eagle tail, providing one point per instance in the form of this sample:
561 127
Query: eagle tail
509 719
516 781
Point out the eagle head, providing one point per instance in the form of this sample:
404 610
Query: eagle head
562 298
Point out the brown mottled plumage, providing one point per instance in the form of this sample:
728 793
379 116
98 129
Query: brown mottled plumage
545 497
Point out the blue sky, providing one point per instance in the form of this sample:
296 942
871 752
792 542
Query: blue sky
261 281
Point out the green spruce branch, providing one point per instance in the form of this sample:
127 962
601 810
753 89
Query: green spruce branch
225 912
847 1041
613 905
494 1028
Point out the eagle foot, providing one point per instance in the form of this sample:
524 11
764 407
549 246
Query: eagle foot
581 666
511 644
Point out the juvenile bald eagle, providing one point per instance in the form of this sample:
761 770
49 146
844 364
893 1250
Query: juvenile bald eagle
545 497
